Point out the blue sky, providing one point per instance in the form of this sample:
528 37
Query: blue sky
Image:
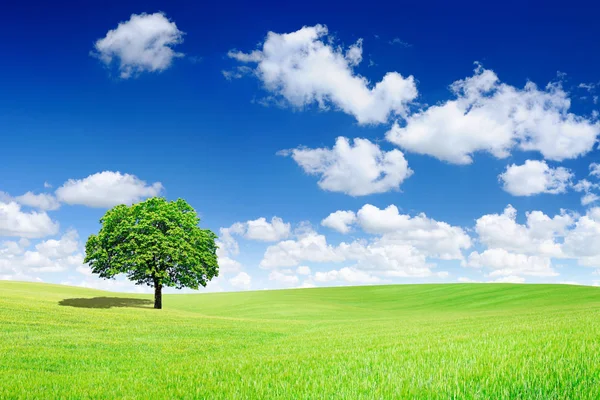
451 111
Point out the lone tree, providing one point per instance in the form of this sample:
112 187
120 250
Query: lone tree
156 243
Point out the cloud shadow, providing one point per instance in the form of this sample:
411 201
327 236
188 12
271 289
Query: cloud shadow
106 302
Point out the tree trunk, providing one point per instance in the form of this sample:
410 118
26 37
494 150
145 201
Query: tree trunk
157 295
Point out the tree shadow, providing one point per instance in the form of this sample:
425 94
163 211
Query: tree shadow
106 302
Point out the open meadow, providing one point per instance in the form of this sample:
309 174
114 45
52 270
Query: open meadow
431 341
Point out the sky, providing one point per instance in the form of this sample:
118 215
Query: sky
325 145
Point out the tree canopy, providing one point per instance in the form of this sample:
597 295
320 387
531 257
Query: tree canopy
156 243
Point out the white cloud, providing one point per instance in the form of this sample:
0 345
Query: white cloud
359 168
494 117
340 221
50 256
535 177
586 187
463 279
61 248
141 44
305 67
348 275
226 263
260 229
504 263
536 237
284 279
509 279
43 201
399 42
15 222
583 241
434 238
595 170
307 284
106 189
47 185
303 270
241 281
377 257
309 247
589 198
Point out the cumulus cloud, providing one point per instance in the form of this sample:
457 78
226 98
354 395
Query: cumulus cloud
17 261
144 43
403 245
376 257
106 189
305 67
537 237
434 238
241 281
261 229
357 169
340 221
17 223
310 247
494 117
505 264
226 263
564 236
284 279
583 241
347 275
595 170
586 187
43 201
535 177
303 270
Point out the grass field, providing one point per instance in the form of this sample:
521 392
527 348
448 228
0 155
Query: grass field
463 341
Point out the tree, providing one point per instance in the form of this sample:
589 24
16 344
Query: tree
156 243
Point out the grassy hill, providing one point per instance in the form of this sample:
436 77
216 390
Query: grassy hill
378 342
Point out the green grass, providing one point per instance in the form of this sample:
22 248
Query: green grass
462 341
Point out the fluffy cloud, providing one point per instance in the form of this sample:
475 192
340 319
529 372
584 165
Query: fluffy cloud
494 117
226 263
50 256
535 177
401 248
241 281
586 187
284 279
309 247
304 67
506 264
347 275
564 236
43 201
303 270
143 43
376 257
359 168
583 241
17 223
434 238
537 237
509 279
595 170
260 229
340 221
106 189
